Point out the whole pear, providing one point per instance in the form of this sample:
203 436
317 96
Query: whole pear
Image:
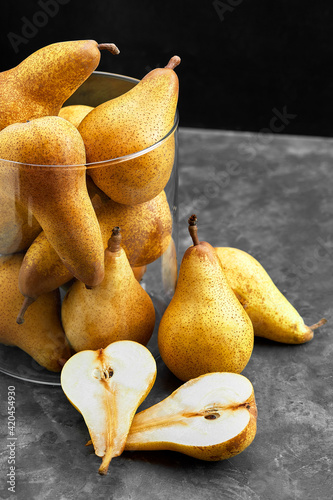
42 82
57 194
130 123
107 386
272 315
146 235
42 335
75 113
211 417
116 309
204 328
18 226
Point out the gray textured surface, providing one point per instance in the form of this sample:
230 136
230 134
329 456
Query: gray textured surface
270 196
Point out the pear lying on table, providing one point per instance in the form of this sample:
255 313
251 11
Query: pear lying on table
107 386
272 315
131 123
75 113
204 328
41 336
42 82
116 309
211 417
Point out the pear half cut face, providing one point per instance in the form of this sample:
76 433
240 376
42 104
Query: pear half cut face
106 386
211 417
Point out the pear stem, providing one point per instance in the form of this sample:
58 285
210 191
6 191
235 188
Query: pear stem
174 61
193 230
317 325
26 303
111 47
114 243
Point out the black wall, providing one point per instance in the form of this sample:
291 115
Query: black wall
255 65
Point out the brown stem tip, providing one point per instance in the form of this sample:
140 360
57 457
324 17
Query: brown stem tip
115 240
174 61
317 325
26 303
193 229
111 47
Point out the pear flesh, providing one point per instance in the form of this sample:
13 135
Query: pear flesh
204 328
107 386
212 417
272 315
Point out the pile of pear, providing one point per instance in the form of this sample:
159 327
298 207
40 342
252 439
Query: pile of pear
63 192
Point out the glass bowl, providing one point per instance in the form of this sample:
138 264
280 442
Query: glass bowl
158 276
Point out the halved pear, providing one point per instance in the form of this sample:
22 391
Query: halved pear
211 417
106 386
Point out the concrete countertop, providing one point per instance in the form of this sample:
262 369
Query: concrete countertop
270 195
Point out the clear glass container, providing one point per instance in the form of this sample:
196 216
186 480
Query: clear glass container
158 276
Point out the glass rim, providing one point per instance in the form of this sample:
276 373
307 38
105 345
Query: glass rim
110 161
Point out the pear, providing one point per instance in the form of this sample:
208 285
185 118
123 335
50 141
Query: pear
272 315
211 417
116 309
131 123
75 113
146 227
42 82
146 234
204 328
57 195
106 386
42 335
18 227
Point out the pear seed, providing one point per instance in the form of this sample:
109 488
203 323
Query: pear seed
212 416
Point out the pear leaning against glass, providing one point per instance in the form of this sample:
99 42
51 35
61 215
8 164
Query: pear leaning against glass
42 82
212 417
107 386
204 328
42 335
272 315
50 180
130 123
146 234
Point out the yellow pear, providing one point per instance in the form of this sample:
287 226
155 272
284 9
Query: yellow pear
130 123
75 113
146 234
42 335
204 328
18 227
272 315
116 309
211 417
57 194
42 82
107 386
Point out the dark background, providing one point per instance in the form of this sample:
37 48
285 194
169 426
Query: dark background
251 65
